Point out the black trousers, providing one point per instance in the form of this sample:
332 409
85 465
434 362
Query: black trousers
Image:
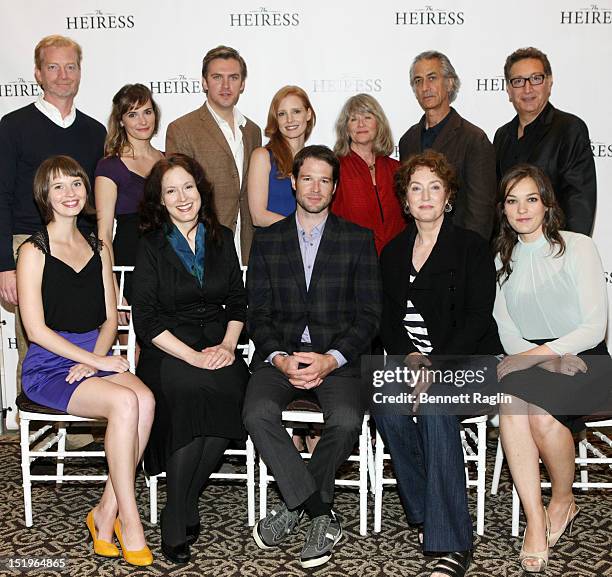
268 394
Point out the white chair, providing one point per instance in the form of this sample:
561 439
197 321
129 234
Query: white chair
593 437
248 477
474 442
53 432
293 417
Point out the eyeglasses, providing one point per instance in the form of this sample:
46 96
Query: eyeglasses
534 80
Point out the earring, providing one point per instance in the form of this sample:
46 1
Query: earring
448 207
406 209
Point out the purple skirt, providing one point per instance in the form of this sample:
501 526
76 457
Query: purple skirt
43 377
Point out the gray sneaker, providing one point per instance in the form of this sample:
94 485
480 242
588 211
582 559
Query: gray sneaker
278 524
323 533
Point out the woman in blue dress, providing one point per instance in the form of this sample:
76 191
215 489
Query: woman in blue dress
68 307
291 119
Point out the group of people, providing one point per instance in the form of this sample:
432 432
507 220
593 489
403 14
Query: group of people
344 248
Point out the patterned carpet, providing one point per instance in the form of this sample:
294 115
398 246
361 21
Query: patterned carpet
226 549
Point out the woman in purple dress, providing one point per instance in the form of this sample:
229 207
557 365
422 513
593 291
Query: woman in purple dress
120 175
67 304
291 119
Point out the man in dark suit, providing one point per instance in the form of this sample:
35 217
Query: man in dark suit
221 139
555 141
436 84
314 306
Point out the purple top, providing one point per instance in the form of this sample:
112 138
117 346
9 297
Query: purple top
130 186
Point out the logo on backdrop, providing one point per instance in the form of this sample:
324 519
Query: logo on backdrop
601 149
99 20
592 14
347 83
429 16
20 87
178 85
493 84
608 277
264 17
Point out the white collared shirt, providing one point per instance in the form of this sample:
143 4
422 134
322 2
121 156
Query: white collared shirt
233 137
53 114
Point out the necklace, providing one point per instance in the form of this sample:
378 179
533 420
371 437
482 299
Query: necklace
371 167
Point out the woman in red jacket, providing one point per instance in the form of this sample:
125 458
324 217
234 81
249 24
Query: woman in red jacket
365 193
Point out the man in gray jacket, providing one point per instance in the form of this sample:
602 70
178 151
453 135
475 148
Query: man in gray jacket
435 84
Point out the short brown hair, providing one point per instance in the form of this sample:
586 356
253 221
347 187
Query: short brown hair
225 53
437 163
524 53
50 169
56 41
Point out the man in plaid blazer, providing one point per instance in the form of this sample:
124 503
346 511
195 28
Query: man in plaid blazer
314 307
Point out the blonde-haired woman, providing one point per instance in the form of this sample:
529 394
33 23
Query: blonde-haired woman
291 119
365 193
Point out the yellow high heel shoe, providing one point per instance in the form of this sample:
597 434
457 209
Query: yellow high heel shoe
569 520
102 548
141 558
541 556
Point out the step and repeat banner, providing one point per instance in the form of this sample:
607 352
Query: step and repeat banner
331 49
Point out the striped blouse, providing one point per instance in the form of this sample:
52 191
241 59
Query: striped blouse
414 323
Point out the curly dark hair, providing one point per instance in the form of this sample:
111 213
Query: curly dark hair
433 160
153 214
553 219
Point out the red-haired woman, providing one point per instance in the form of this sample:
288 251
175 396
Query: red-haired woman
291 119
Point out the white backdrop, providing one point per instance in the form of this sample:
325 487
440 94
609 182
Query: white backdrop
331 49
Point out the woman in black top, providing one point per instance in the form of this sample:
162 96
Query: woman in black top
438 294
189 306
68 306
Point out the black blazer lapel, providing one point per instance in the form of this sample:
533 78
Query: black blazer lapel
541 131
168 254
292 250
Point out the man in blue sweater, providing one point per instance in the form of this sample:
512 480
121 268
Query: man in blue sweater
31 134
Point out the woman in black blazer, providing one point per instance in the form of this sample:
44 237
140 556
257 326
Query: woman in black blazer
189 308
438 295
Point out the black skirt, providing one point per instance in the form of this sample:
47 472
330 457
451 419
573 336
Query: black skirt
582 394
125 246
190 402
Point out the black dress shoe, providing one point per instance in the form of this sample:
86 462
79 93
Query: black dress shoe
193 532
176 553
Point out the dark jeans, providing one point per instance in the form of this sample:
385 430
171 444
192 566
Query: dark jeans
268 394
428 462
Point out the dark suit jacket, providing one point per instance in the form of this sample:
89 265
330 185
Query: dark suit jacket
199 136
562 148
454 292
165 296
471 153
342 305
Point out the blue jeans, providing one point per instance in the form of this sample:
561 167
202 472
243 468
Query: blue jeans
429 468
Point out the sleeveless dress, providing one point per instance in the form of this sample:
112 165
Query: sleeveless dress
74 307
130 190
280 194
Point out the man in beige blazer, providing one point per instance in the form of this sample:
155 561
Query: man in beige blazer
221 139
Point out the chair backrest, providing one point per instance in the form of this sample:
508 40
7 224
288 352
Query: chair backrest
128 349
